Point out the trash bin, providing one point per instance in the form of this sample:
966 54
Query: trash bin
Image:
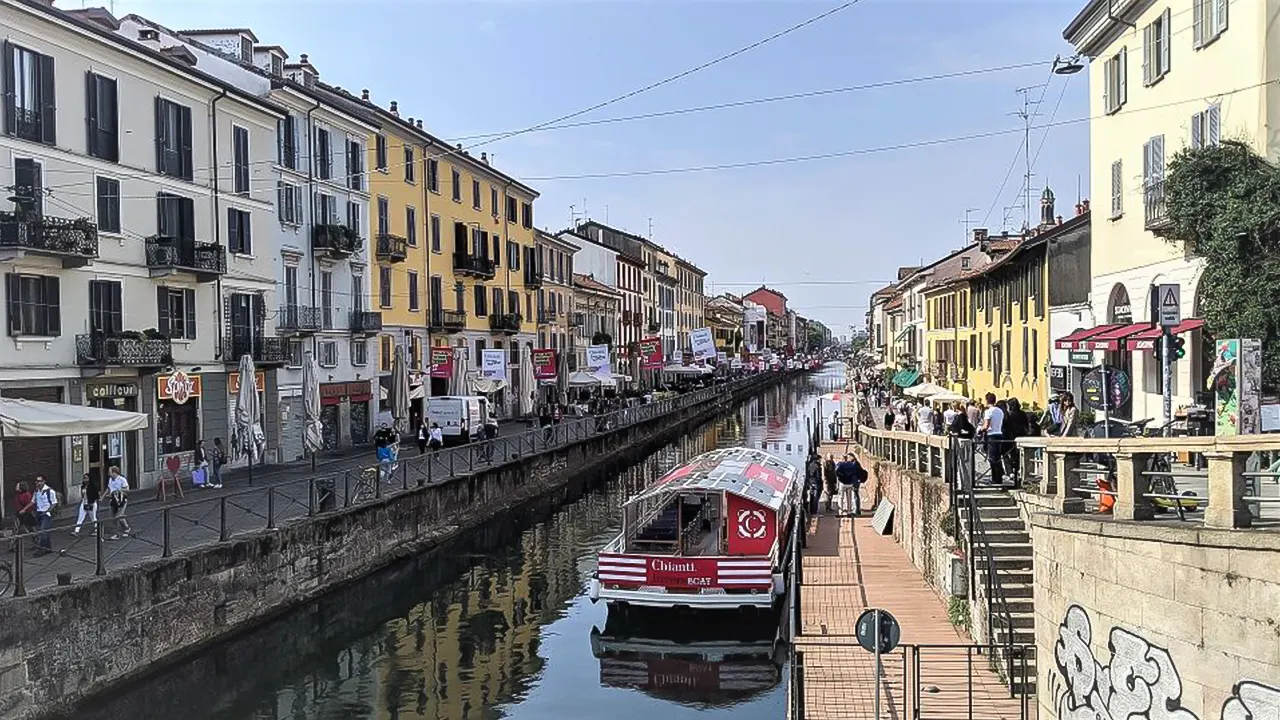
325 497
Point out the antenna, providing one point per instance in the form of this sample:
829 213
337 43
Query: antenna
967 223
650 228
1029 112
606 213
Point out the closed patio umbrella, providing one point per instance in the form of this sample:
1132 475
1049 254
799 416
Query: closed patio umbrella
527 385
399 395
247 411
458 383
312 425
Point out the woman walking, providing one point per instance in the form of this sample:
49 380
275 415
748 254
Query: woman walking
89 494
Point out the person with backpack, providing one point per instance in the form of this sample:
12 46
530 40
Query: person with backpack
46 500
850 474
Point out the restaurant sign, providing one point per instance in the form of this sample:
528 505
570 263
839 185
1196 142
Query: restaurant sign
178 387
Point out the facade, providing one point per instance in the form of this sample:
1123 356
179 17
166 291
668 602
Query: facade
631 273
598 306
755 330
774 303
554 306
666 289
1070 311
948 316
690 300
725 316
1138 123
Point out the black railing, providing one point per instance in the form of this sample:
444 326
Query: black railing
299 319
123 349
533 279
28 124
366 322
546 317
51 235
448 320
205 259
338 241
473 265
1155 211
392 248
508 323
264 350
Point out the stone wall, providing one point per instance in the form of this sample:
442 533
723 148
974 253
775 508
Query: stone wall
72 642
1155 620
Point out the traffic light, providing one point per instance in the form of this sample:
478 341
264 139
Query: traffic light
1179 349
1157 351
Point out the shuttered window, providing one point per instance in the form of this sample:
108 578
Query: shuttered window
240 159
1208 20
176 217
239 232
34 305
106 311
101 117
176 312
30 99
1206 127
1117 189
173 139
1155 49
1115 90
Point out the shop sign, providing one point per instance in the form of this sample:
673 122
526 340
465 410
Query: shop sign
113 390
333 393
651 353
441 362
259 381
178 387
544 364
1058 377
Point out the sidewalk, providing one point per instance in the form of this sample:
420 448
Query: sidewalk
849 568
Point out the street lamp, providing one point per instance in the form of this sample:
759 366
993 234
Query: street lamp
1070 66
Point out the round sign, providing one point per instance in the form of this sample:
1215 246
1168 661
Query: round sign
890 631
1119 388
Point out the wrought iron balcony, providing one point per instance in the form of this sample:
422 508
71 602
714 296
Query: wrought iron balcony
265 351
335 241
654 327
448 320
299 319
127 349
74 242
533 279
166 256
392 248
1156 213
471 265
366 322
507 323
546 317
28 124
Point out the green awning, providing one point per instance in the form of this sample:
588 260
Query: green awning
906 378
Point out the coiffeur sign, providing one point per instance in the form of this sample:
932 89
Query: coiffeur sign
650 353
544 364
178 387
441 362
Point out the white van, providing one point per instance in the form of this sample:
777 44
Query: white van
461 418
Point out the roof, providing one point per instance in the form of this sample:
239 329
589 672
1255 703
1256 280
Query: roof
769 290
590 283
886 290
751 474
894 304
1022 247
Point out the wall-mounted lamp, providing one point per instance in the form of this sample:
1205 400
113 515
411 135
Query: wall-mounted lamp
1070 66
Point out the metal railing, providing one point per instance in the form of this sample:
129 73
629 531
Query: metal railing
218 516
392 248
122 350
299 319
263 349
365 322
474 265
206 259
338 241
43 233
1155 210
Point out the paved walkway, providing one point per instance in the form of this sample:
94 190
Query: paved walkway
848 568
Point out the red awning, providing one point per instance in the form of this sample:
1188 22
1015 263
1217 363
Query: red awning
1079 340
1146 340
1114 339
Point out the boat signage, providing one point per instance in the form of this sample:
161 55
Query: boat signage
686 572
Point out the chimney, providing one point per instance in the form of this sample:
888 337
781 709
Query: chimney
1085 203
410 121
979 234
395 108
484 158
459 146
1059 219
1079 209
419 125
303 59
364 94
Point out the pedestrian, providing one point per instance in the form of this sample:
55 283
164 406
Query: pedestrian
924 418
46 506
850 474
423 434
89 493
24 503
835 426
829 475
384 441
1069 415
992 431
118 492
435 440
1016 425
813 483
199 465
949 416
888 418
974 413
1051 418
217 459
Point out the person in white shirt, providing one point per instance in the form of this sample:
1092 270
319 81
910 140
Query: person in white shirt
948 416
46 499
924 418
992 428
118 491
436 438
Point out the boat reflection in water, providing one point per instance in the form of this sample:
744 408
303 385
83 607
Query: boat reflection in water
721 663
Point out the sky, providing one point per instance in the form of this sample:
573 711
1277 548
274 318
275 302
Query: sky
825 232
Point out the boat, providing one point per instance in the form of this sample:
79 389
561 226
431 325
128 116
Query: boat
712 534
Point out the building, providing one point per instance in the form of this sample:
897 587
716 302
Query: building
690 300
774 303
1197 79
725 315
597 307
554 306
948 317
666 287
1069 308
755 331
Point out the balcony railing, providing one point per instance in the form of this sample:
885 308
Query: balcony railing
123 350
449 320
392 248
508 323
366 322
653 327
336 241
472 265
294 319
264 350
546 317
28 124
1155 211
533 279
206 260
74 241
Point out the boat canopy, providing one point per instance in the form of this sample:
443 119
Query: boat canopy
748 473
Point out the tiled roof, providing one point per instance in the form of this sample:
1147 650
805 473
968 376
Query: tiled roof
590 283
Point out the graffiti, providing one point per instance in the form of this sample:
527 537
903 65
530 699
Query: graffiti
1141 681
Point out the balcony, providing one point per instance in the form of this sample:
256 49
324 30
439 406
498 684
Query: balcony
450 321
653 327
392 248
546 317
533 279
506 323
481 267
168 256
265 351
577 320
366 322
335 242
299 320
1155 212
125 349
74 242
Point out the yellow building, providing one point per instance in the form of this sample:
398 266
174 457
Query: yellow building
725 316
948 325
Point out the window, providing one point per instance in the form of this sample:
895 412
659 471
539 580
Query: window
101 116
1035 354
1155 49
512 203
414 301
108 205
326 299
324 155
513 302
481 301
289 203
1153 164
246 50
1026 350
328 353
408 164
380 153
239 232
493 201
277 65
435 294
497 250
513 255
353 217
433 175
526 215
291 286
359 352
384 286
327 209
497 301
173 139
240 160
456 182
384 216
28 185
411 226
1114 88
1209 21
355 164
475 194
357 292
386 351
29 96
1206 127
287 134
1117 190
176 426
435 233
106 312
297 352
459 297
177 217
176 312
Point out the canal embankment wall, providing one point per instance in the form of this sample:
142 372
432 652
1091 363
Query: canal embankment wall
66 643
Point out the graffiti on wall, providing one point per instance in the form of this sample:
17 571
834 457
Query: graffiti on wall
1140 681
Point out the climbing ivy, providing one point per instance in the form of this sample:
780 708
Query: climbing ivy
1224 203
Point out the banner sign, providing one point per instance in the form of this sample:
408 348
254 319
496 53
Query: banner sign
703 344
493 364
441 362
544 364
677 357
651 353
259 382
598 362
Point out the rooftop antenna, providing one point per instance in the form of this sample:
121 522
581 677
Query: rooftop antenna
606 213
585 214
1079 191
650 228
1029 112
967 223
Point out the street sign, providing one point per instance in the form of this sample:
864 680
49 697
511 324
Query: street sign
1169 305
889 631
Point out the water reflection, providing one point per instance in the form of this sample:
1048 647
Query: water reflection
493 625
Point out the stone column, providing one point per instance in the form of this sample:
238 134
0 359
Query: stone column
1130 487
1062 466
1227 508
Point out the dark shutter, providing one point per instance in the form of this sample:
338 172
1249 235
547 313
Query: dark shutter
162 310
91 112
233 231
189 307
187 208
48 102
10 107
160 134
460 238
185 140
11 295
259 315
53 307
484 244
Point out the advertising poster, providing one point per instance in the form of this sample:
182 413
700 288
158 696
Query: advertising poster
441 362
544 364
493 364
598 362
703 344
651 353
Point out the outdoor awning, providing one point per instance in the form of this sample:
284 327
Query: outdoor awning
1114 339
906 378
1079 340
1146 340
32 418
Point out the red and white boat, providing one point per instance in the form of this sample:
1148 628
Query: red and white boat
712 534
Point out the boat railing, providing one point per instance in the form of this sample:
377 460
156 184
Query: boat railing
690 531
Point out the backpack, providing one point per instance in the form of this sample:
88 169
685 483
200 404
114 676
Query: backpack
859 472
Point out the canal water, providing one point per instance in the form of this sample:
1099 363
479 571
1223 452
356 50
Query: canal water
497 624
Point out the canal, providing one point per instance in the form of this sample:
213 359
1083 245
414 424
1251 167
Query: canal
497 624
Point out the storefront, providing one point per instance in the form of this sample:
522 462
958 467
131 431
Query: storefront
101 452
178 402
349 402
25 458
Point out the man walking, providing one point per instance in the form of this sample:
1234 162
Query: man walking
46 499
992 429
118 491
829 475
850 475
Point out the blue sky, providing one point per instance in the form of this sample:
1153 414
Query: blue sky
490 66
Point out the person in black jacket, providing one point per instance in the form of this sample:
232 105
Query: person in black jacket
1015 426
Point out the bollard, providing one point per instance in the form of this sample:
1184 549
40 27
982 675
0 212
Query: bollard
311 496
99 560
19 578
222 519
271 508
167 546
404 476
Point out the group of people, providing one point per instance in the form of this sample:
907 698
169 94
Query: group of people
36 508
843 480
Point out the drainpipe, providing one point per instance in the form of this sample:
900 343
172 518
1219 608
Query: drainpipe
311 225
426 245
217 213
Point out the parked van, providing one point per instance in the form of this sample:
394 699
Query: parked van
461 417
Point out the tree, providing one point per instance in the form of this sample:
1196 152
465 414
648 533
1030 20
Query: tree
1224 202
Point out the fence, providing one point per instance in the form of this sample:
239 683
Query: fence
117 543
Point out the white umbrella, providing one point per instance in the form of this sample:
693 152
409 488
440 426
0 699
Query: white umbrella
312 426
458 383
247 411
526 380
399 396
947 396
924 390
33 418
583 379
